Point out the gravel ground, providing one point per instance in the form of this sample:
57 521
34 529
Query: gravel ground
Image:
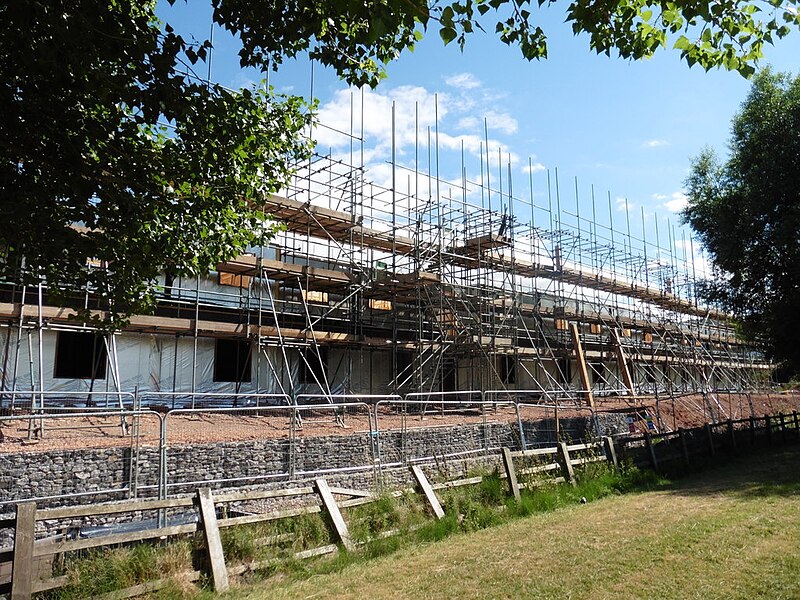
213 427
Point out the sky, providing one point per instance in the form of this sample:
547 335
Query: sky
627 129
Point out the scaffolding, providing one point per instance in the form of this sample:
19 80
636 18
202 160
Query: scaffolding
428 286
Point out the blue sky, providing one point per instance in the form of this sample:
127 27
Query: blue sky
628 128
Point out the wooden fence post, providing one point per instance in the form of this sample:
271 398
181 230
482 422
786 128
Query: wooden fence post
24 535
732 435
796 424
684 448
511 474
216 557
611 451
752 430
427 490
566 464
710 435
330 505
782 421
648 440
768 429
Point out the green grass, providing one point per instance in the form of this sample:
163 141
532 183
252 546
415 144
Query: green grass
725 533
467 509
99 571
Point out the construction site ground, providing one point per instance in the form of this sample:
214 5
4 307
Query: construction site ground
72 433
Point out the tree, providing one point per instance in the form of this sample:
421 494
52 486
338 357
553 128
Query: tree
358 37
113 151
747 214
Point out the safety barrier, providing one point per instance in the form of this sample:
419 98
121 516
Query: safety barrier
84 428
269 457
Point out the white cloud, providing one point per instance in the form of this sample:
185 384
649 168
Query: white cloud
468 123
463 81
475 144
660 197
676 203
346 106
623 205
495 121
460 129
502 122
655 143
533 167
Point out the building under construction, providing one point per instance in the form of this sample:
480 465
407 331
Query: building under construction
422 285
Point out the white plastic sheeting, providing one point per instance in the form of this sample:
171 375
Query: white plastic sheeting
147 362
166 363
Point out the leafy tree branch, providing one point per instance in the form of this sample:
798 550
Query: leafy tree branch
746 211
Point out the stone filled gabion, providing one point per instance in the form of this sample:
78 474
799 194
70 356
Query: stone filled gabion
65 476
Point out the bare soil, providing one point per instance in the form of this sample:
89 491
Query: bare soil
109 431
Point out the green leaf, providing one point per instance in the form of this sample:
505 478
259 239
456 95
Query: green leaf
682 43
746 211
448 34
447 15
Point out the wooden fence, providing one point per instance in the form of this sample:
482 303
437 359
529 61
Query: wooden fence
684 449
27 567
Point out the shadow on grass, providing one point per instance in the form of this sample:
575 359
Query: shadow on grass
765 473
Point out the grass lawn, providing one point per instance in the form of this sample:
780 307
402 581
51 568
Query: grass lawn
731 532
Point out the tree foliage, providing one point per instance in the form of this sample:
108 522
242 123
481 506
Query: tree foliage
113 150
358 37
747 213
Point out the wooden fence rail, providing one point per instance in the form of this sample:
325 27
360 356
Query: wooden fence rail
679 450
26 568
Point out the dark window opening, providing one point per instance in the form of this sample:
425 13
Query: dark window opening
311 371
565 371
79 356
405 359
232 361
449 379
508 369
598 371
